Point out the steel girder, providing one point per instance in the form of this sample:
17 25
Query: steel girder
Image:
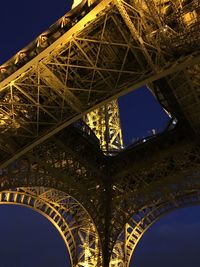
67 215
68 162
106 125
84 61
142 179
135 228
159 171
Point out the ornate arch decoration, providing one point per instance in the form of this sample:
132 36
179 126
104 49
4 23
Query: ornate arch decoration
68 216
142 220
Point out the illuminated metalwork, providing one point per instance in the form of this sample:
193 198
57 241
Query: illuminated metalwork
123 250
105 123
92 55
168 179
67 215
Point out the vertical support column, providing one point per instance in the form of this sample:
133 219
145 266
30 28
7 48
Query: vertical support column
107 207
105 123
154 12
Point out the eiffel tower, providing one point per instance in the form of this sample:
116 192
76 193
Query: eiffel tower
61 146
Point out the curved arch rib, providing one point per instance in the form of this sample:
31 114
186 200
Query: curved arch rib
140 222
67 215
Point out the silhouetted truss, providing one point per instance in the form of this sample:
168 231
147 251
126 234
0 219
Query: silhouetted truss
92 55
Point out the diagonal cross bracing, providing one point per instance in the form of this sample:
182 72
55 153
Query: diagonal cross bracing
70 76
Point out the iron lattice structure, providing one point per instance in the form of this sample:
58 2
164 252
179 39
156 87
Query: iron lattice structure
52 162
105 123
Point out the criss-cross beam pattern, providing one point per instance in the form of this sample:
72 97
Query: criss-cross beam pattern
163 169
90 56
70 162
135 228
68 216
105 123
113 189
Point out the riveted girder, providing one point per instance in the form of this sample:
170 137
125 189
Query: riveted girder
68 216
105 123
92 55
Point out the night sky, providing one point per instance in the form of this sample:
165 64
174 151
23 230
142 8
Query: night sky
27 238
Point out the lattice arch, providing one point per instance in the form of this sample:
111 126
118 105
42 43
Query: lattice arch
140 222
68 216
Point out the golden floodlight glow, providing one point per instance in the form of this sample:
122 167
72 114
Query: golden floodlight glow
76 3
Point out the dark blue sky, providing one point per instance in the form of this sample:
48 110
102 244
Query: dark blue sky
28 239
140 113
173 241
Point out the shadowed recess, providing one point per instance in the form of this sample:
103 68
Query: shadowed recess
173 240
29 239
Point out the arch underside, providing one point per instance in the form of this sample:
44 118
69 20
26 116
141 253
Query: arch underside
78 230
142 219
69 217
133 208
70 164
66 163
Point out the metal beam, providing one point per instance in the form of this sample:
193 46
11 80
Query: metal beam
189 61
